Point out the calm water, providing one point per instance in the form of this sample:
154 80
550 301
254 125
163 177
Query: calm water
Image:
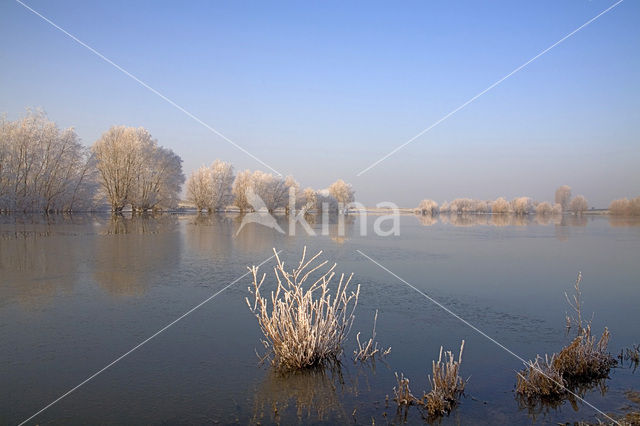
78 292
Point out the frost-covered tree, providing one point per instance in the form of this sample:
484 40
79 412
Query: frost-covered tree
428 207
241 184
222 178
544 209
42 167
199 188
625 206
522 205
309 200
578 205
563 196
342 192
134 170
500 205
158 180
327 202
210 188
272 190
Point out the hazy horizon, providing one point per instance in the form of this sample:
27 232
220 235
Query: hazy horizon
322 91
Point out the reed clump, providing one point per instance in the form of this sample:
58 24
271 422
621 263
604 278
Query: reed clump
540 379
446 386
584 361
304 324
368 350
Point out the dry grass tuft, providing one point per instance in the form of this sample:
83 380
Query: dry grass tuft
446 386
583 362
540 379
631 354
369 350
305 324
584 359
402 393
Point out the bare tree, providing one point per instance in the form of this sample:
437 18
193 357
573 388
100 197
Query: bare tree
273 190
563 196
625 207
522 205
41 166
135 170
544 209
199 188
309 200
619 207
342 192
222 180
242 182
500 205
428 207
578 205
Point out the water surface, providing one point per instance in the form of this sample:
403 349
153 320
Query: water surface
77 292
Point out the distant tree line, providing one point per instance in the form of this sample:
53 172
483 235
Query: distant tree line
215 187
625 207
517 206
45 168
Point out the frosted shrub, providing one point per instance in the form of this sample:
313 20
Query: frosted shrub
500 206
446 386
578 205
428 207
304 325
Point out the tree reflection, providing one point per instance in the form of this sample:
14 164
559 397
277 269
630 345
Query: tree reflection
34 269
133 250
210 234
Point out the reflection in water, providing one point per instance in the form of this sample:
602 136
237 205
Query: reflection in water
471 219
624 220
36 268
254 237
316 394
210 234
137 224
537 407
40 225
132 250
427 219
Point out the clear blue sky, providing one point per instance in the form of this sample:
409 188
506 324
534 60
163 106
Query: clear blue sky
321 90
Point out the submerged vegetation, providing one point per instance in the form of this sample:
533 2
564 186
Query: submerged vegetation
305 325
582 363
446 387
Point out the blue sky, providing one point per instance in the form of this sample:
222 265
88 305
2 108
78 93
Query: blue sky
322 90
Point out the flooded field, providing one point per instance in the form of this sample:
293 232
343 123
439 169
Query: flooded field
78 292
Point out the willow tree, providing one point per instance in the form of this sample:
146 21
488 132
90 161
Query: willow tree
42 167
342 192
135 170
210 187
563 196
